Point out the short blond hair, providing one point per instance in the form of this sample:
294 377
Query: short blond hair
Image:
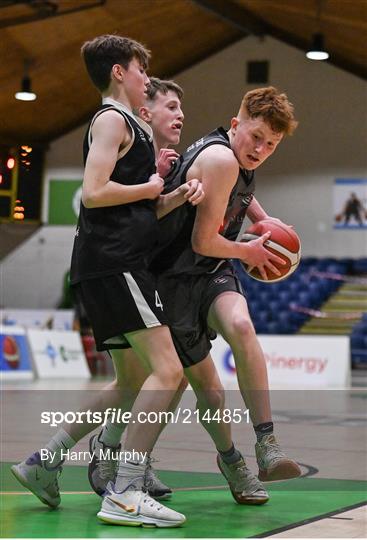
163 86
271 105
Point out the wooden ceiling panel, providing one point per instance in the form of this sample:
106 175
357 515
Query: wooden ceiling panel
179 32
342 21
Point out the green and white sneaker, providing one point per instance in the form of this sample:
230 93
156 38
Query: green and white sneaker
41 481
244 486
135 507
155 487
272 461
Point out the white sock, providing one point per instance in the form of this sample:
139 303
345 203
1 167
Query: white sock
59 443
111 434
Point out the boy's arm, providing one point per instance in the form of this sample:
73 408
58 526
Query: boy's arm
256 212
191 192
218 170
110 135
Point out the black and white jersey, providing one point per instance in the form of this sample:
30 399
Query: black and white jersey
177 256
118 238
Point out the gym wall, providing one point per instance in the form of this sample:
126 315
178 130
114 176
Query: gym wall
295 185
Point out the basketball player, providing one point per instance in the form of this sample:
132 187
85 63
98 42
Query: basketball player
159 111
109 272
197 281
163 112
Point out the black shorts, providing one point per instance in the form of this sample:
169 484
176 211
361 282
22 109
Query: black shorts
119 304
186 300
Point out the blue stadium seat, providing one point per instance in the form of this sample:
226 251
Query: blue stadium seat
360 266
274 328
357 341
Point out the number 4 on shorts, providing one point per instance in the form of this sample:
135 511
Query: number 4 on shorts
158 301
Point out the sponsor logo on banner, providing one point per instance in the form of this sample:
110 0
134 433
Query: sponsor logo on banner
293 361
58 354
228 362
302 363
15 361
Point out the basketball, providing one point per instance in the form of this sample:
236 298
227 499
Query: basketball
283 242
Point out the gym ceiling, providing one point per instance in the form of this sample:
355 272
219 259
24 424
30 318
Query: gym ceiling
48 34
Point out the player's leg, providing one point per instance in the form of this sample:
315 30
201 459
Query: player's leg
204 379
237 329
210 403
229 316
130 376
41 475
105 297
156 488
155 349
126 502
40 472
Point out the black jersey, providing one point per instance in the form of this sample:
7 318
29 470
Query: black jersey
115 239
177 256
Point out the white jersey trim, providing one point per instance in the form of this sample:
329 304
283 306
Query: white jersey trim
142 306
146 127
125 150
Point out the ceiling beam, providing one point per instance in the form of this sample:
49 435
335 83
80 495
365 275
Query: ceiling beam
234 14
45 14
248 23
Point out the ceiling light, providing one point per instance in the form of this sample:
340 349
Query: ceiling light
26 94
317 50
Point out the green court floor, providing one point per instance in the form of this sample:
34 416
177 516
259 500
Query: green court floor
210 510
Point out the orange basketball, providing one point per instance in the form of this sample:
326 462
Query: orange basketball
283 242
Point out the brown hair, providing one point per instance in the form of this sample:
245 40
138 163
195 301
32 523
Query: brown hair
163 86
272 106
103 52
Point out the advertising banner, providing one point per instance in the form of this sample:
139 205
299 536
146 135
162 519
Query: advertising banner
15 358
64 201
293 361
58 354
52 319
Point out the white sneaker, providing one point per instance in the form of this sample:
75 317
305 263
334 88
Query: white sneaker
134 507
42 482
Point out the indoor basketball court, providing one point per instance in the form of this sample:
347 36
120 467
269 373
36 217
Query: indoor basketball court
311 326
323 430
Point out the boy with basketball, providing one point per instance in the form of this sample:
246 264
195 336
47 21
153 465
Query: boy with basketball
201 371
197 282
